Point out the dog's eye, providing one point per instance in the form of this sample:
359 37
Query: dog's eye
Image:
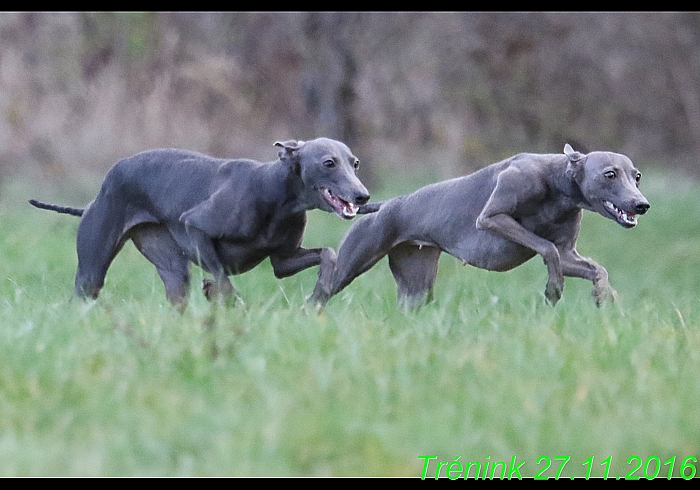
610 174
356 164
329 163
638 177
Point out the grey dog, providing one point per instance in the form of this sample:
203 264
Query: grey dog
496 219
226 216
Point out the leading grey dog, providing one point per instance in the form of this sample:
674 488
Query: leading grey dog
496 219
226 216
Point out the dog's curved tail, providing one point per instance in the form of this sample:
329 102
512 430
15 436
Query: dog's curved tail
58 209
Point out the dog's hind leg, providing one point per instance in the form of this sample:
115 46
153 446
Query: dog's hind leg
157 244
414 268
100 237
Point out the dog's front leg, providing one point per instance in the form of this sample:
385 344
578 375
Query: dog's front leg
574 265
505 226
514 189
303 258
202 248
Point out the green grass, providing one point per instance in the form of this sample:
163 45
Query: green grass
127 386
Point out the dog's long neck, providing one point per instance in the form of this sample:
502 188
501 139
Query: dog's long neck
285 186
567 182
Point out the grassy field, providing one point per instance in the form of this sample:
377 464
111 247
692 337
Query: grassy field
488 372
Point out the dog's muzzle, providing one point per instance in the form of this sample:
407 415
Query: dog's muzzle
626 218
343 208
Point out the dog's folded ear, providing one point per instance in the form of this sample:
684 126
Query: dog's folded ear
290 144
288 147
289 153
573 155
576 163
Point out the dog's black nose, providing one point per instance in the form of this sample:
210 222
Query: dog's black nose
642 208
361 199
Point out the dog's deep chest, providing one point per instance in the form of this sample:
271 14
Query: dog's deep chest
550 218
274 236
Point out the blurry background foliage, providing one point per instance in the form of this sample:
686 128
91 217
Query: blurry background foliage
443 93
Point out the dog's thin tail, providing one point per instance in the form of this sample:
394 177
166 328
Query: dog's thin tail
372 207
58 209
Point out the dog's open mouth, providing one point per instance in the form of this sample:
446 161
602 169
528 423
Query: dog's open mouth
343 208
628 220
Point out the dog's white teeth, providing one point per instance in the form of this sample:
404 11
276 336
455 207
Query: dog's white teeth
342 208
349 209
629 218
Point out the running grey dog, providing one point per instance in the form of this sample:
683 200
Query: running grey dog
496 219
226 216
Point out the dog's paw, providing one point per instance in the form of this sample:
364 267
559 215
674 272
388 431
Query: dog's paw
310 306
553 292
603 292
207 285
223 292
315 302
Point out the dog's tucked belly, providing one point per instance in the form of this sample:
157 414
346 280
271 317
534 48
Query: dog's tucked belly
236 257
491 253
239 257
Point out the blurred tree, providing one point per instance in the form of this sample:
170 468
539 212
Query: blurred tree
451 90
